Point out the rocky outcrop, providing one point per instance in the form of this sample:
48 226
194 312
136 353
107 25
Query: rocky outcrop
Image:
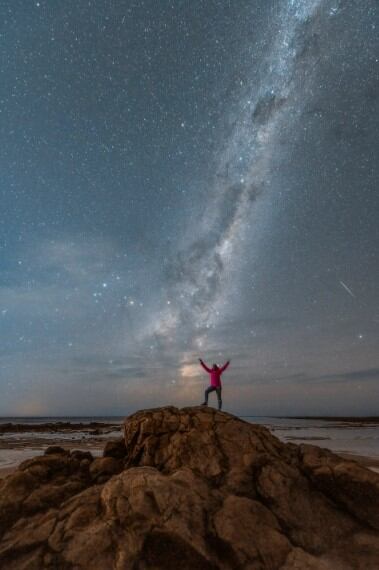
191 489
90 427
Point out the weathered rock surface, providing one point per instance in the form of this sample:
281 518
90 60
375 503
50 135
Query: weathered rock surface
191 489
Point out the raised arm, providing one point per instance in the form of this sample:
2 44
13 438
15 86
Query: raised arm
204 366
225 366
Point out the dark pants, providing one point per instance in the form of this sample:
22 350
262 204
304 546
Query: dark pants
218 391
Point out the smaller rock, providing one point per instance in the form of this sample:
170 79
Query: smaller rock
80 455
84 464
46 465
116 448
105 466
55 449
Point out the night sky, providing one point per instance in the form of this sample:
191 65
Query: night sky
185 179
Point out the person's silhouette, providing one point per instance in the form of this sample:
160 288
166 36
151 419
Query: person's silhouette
215 385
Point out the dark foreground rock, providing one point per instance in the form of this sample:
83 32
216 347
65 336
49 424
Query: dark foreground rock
190 489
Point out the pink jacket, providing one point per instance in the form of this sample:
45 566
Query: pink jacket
215 374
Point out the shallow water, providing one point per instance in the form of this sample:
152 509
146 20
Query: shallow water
18 446
338 436
54 435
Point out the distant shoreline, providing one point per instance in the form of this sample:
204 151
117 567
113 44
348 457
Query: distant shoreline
107 420
57 426
350 419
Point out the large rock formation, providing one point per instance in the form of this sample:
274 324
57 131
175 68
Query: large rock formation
190 489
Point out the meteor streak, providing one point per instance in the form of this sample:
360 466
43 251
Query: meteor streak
347 289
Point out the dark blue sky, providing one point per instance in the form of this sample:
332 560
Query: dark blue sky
184 179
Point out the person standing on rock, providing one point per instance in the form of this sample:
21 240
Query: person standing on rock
215 373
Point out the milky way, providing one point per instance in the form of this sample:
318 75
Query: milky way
245 167
184 180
